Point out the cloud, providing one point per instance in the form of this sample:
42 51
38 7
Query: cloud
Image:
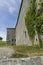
11 5
8 15
11 9
2 34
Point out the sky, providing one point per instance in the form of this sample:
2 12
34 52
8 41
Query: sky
8 15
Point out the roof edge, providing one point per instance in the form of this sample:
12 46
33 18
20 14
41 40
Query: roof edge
19 13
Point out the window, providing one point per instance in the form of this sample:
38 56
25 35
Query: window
38 11
36 39
12 40
25 33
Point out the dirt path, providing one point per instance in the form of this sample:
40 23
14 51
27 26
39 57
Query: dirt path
6 52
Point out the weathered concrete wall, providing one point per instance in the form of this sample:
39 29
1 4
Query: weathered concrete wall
22 61
11 36
22 37
36 39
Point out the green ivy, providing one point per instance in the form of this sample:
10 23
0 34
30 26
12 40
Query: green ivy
30 19
34 19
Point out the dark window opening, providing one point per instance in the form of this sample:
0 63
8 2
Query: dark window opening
12 40
25 33
38 11
36 39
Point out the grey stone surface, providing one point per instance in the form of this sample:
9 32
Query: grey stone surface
6 52
22 37
24 61
36 61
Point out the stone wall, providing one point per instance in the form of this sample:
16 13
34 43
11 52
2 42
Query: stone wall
22 37
22 61
11 36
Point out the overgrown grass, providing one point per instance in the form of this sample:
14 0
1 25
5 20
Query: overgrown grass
27 51
24 51
2 43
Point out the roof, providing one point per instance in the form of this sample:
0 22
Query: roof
19 13
10 28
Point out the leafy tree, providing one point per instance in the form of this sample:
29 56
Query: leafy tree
1 38
34 20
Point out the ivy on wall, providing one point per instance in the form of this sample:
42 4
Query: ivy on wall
30 19
34 19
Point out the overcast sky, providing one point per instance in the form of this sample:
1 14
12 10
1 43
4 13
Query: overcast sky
8 15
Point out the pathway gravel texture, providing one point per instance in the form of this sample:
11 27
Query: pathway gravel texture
22 61
6 52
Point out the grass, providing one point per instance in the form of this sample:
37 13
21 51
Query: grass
23 51
2 43
26 51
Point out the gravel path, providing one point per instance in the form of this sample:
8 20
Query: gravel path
6 52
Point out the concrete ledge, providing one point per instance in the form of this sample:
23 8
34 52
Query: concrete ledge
38 60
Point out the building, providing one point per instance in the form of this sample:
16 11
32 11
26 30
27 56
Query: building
21 35
11 36
21 31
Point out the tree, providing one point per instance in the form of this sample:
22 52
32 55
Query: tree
34 20
1 38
